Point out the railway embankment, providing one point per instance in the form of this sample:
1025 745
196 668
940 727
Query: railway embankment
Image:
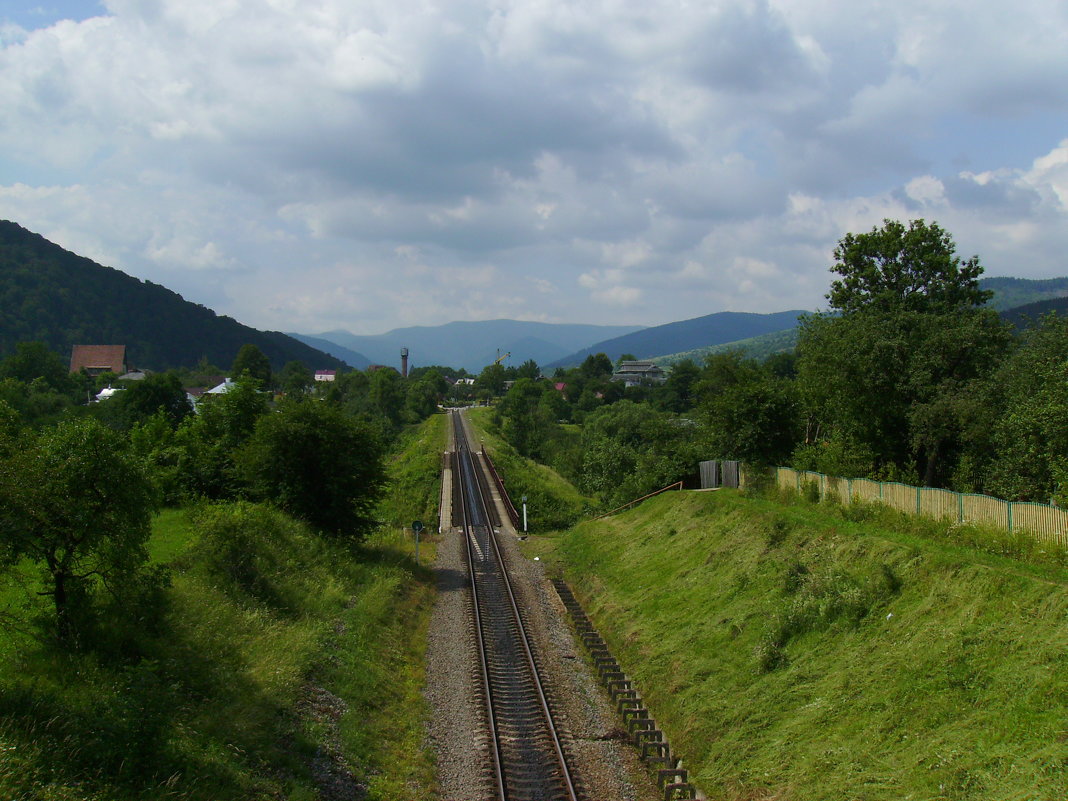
800 651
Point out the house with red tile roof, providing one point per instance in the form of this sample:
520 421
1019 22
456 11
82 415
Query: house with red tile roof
97 359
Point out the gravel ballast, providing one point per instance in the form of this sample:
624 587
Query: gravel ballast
606 766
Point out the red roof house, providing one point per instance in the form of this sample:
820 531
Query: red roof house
97 359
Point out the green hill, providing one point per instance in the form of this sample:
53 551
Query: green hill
51 295
810 652
686 335
759 348
1012 292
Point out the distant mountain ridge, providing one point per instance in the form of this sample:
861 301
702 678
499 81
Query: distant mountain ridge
1010 293
686 335
50 295
470 344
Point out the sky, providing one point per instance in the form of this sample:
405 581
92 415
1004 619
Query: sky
308 165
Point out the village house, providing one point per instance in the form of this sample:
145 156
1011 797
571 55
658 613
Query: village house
635 373
97 359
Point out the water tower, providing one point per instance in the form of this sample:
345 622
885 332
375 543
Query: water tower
404 362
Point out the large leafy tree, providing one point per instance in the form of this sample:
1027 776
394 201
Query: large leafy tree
894 268
33 361
295 378
75 502
316 463
630 449
159 393
525 416
883 374
254 362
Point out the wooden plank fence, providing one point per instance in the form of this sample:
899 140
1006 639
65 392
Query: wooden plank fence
1048 523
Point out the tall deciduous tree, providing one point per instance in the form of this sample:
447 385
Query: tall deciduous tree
75 502
317 464
895 268
253 361
882 378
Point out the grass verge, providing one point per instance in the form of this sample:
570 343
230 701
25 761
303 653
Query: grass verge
793 653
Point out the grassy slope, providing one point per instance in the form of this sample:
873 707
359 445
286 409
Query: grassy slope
793 654
553 502
218 702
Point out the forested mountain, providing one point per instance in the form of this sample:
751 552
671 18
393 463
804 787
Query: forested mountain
1030 315
1010 293
51 295
685 335
472 344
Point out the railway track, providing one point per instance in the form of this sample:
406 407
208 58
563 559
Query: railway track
527 755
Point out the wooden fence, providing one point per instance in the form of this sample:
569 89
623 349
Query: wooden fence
1044 522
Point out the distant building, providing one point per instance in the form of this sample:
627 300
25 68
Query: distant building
635 373
222 388
107 392
97 359
326 375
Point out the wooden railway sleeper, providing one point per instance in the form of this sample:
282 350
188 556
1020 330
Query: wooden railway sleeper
609 671
617 685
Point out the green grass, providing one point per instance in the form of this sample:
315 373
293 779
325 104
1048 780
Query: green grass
553 502
414 468
791 652
208 699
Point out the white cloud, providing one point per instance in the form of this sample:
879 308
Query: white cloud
328 164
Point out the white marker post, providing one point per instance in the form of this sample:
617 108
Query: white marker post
524 514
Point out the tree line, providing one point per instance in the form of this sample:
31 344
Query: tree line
79 482
907 375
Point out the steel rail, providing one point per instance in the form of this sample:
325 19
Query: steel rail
487 689
523 638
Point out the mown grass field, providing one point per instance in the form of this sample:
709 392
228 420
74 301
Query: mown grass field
799 651
275 659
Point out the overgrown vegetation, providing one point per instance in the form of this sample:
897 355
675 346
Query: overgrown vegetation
276 654
791 652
